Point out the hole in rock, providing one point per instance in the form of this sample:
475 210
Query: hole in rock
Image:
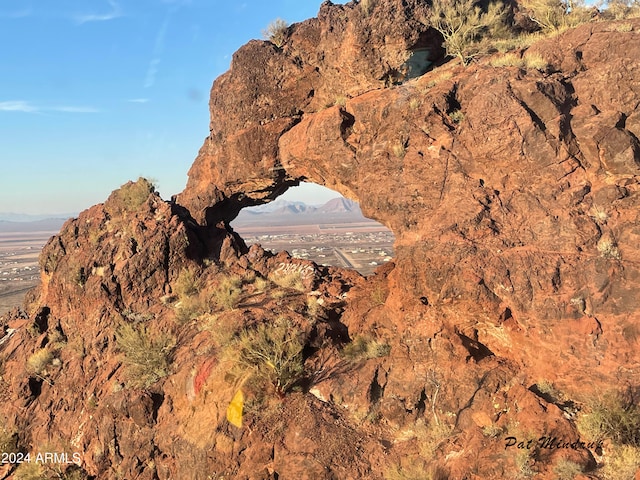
315 223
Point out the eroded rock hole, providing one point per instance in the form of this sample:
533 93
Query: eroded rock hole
315 223
35 387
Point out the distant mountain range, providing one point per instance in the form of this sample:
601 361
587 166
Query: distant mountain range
24 226
283 212
280 212
24 217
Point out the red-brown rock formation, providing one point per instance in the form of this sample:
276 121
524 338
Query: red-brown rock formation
512 303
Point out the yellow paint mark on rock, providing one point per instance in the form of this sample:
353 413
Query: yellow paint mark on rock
234 410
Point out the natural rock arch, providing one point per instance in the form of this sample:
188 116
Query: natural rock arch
424 159
316 223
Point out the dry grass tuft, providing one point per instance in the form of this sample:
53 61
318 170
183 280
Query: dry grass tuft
367 6
534 61
29 471
415 471
8 442
507 60
456 116
608 247
566 469
291 280
399 150
187 284
504 45
191 308
228 292
365 347
621 463
39 361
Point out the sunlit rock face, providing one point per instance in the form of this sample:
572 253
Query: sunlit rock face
511 193
342 53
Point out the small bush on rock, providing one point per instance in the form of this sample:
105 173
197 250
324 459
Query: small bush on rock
191 308
187 284
8 442
620 9
557 15
146 357
566 469
39 361
29 471
129 197
612 417
289 280
365 347
276 32
272 353
463 24
228 292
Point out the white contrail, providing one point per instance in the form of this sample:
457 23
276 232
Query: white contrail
28 107
158 49
114 13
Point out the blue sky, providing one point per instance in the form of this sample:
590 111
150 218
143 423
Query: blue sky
95 93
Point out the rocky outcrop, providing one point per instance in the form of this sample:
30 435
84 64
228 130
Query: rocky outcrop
344 52
511 193
512 302
119 365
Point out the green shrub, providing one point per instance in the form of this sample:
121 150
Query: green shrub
463 24
228 292
272 353
39 361
8 443
367 6
130 196
557 15
365 347
566 469
146 356
29 471
187 284
276 32
612 417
